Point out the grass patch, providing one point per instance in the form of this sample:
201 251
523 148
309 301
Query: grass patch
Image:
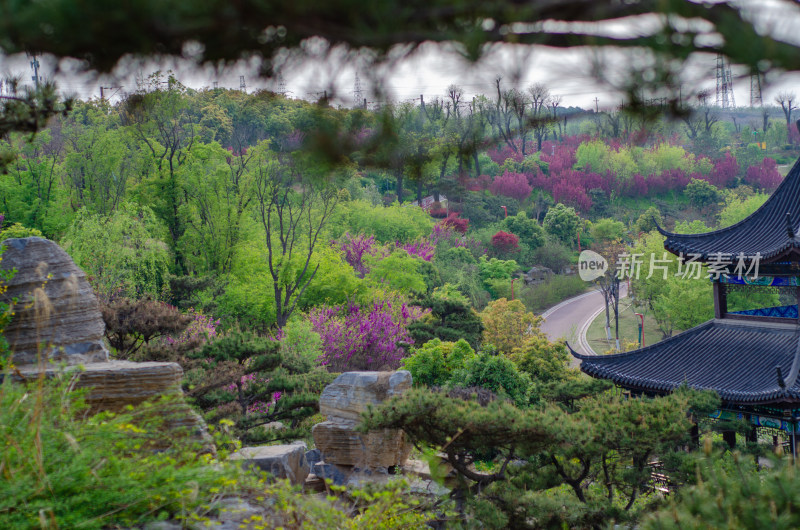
628 329
539 297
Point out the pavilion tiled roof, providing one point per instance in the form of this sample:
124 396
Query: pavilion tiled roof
772 230
746 363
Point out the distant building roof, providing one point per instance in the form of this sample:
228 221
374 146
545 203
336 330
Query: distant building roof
773 230
737 359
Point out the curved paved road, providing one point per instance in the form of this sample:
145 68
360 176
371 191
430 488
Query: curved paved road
571 318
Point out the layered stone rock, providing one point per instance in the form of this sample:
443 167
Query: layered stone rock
343 401
281 461
56 314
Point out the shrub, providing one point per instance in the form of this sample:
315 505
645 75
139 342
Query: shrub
434 363
507 324
131 324
495 373
701 193
455 223
764 176
359 338
504 242
556 289
63 468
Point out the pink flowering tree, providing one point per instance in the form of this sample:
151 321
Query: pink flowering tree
363 337
421 248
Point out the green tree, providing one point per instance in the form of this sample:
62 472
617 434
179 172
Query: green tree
434 363
702 193
292 222
451 318
529 231
507 324
123 253
562 223
249 381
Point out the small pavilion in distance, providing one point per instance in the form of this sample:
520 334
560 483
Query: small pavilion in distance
750 356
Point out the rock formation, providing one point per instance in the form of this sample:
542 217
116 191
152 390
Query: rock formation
57 318
281 461
56 311
343 401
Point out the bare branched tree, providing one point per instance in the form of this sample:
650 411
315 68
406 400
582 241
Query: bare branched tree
293 212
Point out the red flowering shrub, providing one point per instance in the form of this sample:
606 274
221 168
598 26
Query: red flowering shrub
505 242
456 223
764 176
724 172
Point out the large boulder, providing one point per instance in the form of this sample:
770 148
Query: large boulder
282 461
343 401
56 314
352 392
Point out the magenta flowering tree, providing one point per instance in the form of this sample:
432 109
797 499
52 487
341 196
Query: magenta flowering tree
355 248
514 185
570 193
421 248
363 338
724 172
764 176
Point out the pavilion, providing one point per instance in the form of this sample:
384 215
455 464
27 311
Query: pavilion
750 356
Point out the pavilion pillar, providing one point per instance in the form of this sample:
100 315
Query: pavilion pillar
694 433
729 437
720 299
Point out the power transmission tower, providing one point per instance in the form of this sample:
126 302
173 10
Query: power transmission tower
724 84
35 67
755 90
242 84
104 88
216 85
281 85
358 93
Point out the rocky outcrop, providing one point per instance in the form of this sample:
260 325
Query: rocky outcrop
281 461
343 401
57 314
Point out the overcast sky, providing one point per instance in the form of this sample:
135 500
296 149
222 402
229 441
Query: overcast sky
429 71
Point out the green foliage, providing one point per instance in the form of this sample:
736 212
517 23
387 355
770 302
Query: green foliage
607 230
434 363
300 340
253 381
65 468
451 318
17 230
563 223
647 221
388 224
735 497
737 209
529 231
507 324
496 269
702 193
495 373
555 289
398 271
121 253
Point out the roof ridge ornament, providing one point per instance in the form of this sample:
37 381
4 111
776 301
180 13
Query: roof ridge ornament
781 382
789 227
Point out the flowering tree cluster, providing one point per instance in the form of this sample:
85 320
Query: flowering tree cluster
764 176
363 338
445 234
514 185
610 166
